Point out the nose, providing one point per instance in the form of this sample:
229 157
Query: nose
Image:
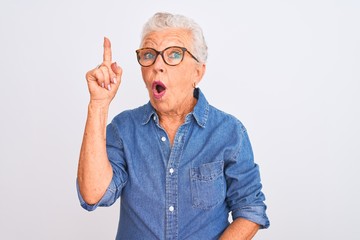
159 64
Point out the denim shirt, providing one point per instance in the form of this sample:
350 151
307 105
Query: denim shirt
183 191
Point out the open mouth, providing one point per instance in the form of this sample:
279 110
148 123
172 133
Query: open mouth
159 89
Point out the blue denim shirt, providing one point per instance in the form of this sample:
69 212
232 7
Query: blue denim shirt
184 191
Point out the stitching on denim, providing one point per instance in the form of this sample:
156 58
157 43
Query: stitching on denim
116 135
243 134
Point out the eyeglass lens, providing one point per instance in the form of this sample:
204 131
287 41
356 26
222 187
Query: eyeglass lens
171 56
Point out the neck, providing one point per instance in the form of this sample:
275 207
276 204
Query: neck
171 121
179 114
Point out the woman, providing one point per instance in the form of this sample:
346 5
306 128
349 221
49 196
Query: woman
179 164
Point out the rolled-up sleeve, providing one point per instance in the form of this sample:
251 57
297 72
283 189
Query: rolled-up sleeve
115 152
244 196
107 199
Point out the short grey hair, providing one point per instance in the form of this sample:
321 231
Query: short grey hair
161 21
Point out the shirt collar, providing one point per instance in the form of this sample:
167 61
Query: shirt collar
200 112
148 113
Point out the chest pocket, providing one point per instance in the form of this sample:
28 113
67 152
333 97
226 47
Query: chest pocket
207 185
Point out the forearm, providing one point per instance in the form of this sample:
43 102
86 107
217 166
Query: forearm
94 170
240 229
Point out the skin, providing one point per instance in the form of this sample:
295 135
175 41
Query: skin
94 169
179 80
240 229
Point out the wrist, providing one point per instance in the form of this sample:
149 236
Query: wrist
98 109
96 104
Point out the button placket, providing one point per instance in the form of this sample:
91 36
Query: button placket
172 183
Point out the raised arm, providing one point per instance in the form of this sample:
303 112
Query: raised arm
94 169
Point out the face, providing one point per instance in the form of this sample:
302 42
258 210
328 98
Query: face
171 87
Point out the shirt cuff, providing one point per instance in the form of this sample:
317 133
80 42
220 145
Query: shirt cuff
106 200
254 214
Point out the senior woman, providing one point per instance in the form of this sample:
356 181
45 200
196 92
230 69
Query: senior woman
179 165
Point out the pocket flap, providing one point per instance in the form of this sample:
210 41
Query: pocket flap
207 171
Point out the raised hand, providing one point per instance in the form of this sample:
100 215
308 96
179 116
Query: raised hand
104 80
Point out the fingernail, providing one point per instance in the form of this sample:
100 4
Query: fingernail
102 84
109 87
114 80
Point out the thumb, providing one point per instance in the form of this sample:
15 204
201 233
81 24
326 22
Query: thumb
116 69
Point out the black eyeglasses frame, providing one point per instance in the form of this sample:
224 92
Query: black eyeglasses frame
162 55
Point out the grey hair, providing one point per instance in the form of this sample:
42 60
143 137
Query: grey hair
161 21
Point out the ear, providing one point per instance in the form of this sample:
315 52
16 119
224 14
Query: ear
200 71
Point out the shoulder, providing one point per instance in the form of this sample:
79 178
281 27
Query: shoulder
217 116
211 117
131 116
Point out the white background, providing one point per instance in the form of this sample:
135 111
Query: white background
289 70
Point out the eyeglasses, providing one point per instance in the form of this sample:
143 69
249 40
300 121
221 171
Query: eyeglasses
172 55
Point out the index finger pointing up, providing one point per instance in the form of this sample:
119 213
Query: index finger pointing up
107 50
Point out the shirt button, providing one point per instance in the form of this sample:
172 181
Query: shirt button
171 170
163 139
154 118
171 208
